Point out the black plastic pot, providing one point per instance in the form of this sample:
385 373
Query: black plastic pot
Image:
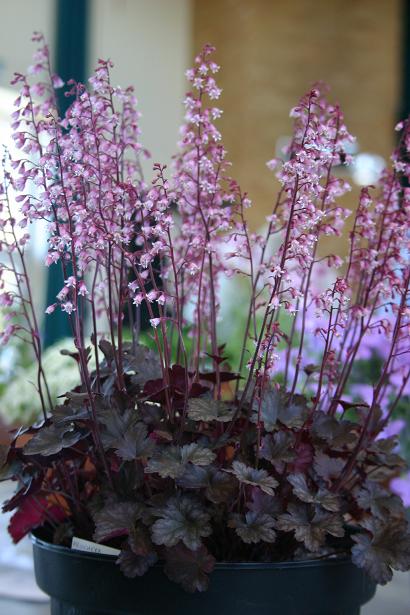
88 584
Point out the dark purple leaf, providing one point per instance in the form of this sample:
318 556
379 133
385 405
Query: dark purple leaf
254 527
327 467
208 409
219 486
182 519
384 548
133 565
327 499
116 519
295 413
277 448
50 439
126 435
135 560
251 476
189 568
171 461
143 362
337 434
381 503
311 530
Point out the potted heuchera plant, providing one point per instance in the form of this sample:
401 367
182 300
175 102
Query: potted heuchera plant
266 480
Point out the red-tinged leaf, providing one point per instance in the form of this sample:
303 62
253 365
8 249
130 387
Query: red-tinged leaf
32 514
303 458
32 486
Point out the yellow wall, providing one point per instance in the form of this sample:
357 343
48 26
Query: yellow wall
271 51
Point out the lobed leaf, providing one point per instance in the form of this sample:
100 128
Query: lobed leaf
381 503
276 449
251 476
182 519
219 486
171 461
189 568
116 519
384 548
311 530
50 439
254 527
330 501
208 409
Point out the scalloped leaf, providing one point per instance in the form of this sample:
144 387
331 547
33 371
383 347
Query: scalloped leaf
276 449
384 548
272 403
219 486
189 568
124 433
50 439
295 413
140 554
208 409
116 519
182 519
338 434
311 530
254 527
323 497
327 467
381 503
251 476
171 461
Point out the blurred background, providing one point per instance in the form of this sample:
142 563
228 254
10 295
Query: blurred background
271 52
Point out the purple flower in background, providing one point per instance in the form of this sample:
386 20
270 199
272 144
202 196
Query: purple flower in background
401 486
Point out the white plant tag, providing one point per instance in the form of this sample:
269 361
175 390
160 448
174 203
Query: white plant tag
79 544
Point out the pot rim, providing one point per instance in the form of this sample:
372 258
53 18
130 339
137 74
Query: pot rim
310 563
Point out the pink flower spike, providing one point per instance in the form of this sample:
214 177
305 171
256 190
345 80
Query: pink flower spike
155 322
50 309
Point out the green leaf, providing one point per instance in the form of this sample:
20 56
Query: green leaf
384 548
251 476
208 409
254 527
50 439
171 461
116 519
189 568
182 519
